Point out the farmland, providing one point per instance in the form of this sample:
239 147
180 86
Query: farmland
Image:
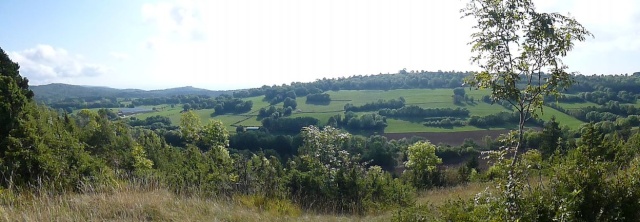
425 98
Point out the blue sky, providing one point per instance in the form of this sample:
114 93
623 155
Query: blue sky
249 43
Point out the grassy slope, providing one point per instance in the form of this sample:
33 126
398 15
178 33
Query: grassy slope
148 205
427 98
128 203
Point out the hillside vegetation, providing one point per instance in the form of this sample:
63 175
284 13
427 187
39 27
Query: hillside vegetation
323 150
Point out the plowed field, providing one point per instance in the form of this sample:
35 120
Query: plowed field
451 138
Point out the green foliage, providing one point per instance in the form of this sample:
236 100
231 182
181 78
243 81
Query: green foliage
328 177
421 164
597 181
140 161
262 176
190 126
275 207
109 140
520 51
380 152
37 144
214 135
289 102
552 138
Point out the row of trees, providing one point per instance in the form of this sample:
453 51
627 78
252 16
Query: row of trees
607 112
375 106
288 125
152 122
318 98
419 112
274 112
364 122
446 122
499 119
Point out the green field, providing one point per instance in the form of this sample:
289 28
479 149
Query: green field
426 98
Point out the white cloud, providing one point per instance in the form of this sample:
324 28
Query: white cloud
616 28
120 56
179 19
45 64
615 24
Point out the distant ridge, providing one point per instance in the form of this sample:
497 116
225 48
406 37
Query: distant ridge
59 91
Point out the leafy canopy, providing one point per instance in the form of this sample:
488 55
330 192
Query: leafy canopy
520 51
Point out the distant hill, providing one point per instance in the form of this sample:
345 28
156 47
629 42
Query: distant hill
58 91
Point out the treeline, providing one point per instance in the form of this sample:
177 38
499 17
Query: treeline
272 111
604 83
288 125
374 150
598 97
445 122
419 112
231 106
355 122
375 106
318 98
222 104
607 112
402 80
500 119
152 122
71 104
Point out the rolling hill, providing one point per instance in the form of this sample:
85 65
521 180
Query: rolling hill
58 91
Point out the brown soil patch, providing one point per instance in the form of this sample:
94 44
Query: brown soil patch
450 138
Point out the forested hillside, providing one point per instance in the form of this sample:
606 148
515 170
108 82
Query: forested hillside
56 92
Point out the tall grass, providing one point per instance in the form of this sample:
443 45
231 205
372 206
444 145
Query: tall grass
439 196
147 201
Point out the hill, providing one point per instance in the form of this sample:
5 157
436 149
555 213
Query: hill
59 91
592 98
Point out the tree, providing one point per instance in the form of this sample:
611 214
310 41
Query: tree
289 102
14 95
422 162
551 137
190 126
37 142
520 53
186 107
141 163
459 92
215 136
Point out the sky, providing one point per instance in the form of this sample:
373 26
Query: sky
234 44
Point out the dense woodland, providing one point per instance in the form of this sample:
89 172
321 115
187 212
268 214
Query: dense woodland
546 173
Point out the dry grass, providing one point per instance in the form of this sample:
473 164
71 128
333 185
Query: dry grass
158 204
440 196
153 203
